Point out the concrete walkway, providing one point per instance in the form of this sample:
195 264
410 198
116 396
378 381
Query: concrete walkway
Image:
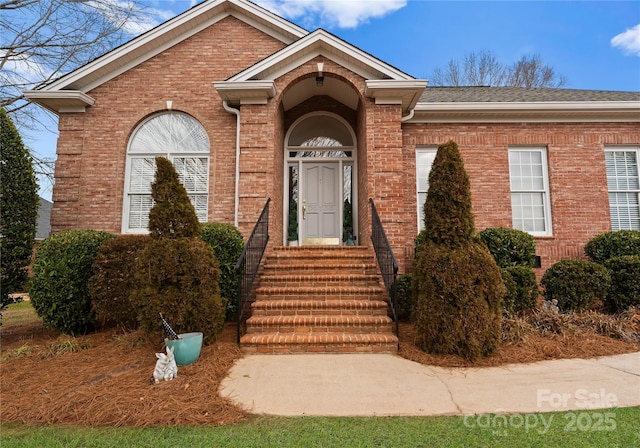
385 385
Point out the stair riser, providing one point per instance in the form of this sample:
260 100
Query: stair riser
315 348
281 282
320 297
311 312
323 269
352 329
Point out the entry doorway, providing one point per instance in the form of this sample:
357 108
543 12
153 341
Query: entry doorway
320 183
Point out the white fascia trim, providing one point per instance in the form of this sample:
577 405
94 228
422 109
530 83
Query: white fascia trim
245 92
542 105
184 27
575 111
319 43
389 91
61 101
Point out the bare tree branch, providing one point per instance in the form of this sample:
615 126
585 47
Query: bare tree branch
43 40
484 69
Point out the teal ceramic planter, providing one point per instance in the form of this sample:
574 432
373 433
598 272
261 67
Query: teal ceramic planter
187 349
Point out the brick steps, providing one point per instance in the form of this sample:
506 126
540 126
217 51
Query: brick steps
319 343
319 299
319 308
318 324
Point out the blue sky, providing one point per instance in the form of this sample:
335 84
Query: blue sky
594 44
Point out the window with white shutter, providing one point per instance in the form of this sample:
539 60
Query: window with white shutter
530 204
184 141
424 160
623 182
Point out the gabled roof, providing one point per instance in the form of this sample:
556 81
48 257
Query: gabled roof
156 41
519 104
385 83
320 42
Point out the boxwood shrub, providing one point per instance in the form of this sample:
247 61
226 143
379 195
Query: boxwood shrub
613 244
625 283
404 296
576 284
113 280
509 247
226 241
525 289
59 286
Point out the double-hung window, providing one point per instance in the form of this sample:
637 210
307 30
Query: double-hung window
623 181
424 160
181 139
530 205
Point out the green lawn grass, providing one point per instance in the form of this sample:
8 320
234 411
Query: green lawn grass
591 428
19 314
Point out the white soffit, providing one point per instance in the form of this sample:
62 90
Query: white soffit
388 91
170 33
246 92
63 101
321 43
488 112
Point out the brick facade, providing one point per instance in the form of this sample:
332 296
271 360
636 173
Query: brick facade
92 148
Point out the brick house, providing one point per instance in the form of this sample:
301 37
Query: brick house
250 106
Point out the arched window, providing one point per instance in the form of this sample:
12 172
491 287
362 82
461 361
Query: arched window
183 140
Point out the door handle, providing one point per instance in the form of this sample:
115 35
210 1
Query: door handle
304 212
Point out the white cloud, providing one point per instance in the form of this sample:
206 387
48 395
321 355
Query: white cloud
629 41
330 13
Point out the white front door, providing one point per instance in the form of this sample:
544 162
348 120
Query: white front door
321 204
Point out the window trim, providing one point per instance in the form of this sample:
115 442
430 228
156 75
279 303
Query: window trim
422 150
621 148
546 192
127 194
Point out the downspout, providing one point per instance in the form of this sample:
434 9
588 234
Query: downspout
235 112
410 116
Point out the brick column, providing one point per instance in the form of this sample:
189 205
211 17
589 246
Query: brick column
66 190
385 173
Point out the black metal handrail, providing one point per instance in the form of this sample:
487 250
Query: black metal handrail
249 261
386 260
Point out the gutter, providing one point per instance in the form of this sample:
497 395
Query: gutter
235 112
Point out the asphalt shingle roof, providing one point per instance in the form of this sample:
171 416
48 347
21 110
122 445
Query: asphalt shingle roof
481 94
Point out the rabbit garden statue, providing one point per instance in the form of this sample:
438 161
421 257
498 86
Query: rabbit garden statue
166 368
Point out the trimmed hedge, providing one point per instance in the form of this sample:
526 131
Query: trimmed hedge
457 284
404 295
511 294
457 303
113 280
180 279
625 283
227 242
59 286
510 247
576 284
525 296
613 244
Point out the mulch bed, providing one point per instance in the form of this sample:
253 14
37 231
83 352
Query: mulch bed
108 380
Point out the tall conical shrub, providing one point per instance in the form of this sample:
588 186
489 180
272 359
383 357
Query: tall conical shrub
173 215
457 283
177 274
18 210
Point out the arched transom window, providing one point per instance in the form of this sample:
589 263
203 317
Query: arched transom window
183 140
